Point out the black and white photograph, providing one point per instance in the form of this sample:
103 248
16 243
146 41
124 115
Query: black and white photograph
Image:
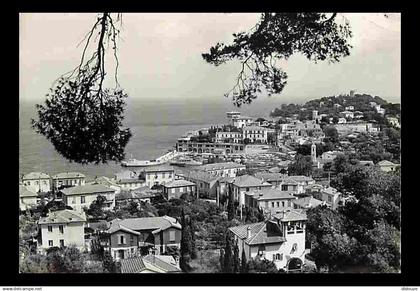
210 143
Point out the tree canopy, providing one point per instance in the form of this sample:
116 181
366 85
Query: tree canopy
278 36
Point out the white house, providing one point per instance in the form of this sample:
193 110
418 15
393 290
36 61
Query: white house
68 179
349 108
27 199
228 169
255 133
37 182
157 175
347 114
387 166
62 228
129 180
269 200
280 239
79 197
242 121
329 195
244 184
229 136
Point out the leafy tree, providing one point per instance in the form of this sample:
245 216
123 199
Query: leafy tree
261 266
96 207
81 118
278 36
301 166
331 133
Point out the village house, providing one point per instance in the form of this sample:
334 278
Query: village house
255 134
246 183
349 108
296 184
242 121
78 197
177 188
37 182
62 228
27 199
128 180
329 195
150 264
229 136
205 183
183 145
157 175
68 179
274 179
269 200
228 169
140 236
347 114
280 239
387 166
307 202
138 195
108 182
393 121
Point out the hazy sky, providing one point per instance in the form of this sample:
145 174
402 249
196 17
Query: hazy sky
160 56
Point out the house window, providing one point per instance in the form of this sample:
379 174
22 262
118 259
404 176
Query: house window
61 242
131 238
169 175
121 240
272 204
173 190
82 199
329 199
74 200
278 204
49 228
163 175
282 203
294 248
172 235
247 189
283 187
61 229
50 243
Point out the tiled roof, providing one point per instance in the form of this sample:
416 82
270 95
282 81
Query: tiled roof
132 265
300 178
269 176
159 168
148 223
68 175
87 189
249 181
260 233
149 262
105 181
24 192
178 183
291 215
308 202
35 175
63 216
220 166
117 227
155 260
198 175
254 127
269 194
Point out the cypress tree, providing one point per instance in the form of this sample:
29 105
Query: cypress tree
184 259
231 202
244 266
236 261
222 260
193 252
228 258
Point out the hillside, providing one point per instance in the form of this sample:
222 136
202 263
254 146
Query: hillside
328 105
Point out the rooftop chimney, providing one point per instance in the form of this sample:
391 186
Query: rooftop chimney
248 232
